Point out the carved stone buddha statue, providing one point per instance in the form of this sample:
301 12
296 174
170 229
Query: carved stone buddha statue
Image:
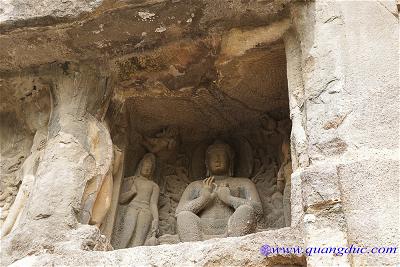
220 205
141 218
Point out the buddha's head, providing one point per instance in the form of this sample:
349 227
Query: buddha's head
147 166
219 159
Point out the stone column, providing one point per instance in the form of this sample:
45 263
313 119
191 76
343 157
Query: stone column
316 93
351 125
298 137
369 170
78 151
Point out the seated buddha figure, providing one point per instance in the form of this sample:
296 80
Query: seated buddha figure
220 205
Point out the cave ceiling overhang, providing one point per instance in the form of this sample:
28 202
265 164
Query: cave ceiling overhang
201 65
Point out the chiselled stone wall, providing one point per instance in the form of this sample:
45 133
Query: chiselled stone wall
306 94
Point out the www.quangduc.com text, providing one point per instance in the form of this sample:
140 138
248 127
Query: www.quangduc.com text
267 250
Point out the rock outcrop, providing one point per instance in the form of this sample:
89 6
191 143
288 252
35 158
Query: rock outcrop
88 85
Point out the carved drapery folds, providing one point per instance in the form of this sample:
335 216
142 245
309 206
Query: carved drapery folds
78 152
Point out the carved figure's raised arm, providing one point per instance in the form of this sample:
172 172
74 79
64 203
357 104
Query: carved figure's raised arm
127 196
251 197
194 202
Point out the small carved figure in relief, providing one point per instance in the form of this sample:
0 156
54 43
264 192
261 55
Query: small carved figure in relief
283 182
220 205
142 212
103 200
28 175
164 144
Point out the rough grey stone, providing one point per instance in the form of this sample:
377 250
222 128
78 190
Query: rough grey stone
18 10
233 251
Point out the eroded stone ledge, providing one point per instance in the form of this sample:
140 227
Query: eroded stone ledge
233 251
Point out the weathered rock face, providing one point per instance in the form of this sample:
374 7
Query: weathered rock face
89 87
18 12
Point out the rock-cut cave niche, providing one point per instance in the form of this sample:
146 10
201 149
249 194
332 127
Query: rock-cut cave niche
242 102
